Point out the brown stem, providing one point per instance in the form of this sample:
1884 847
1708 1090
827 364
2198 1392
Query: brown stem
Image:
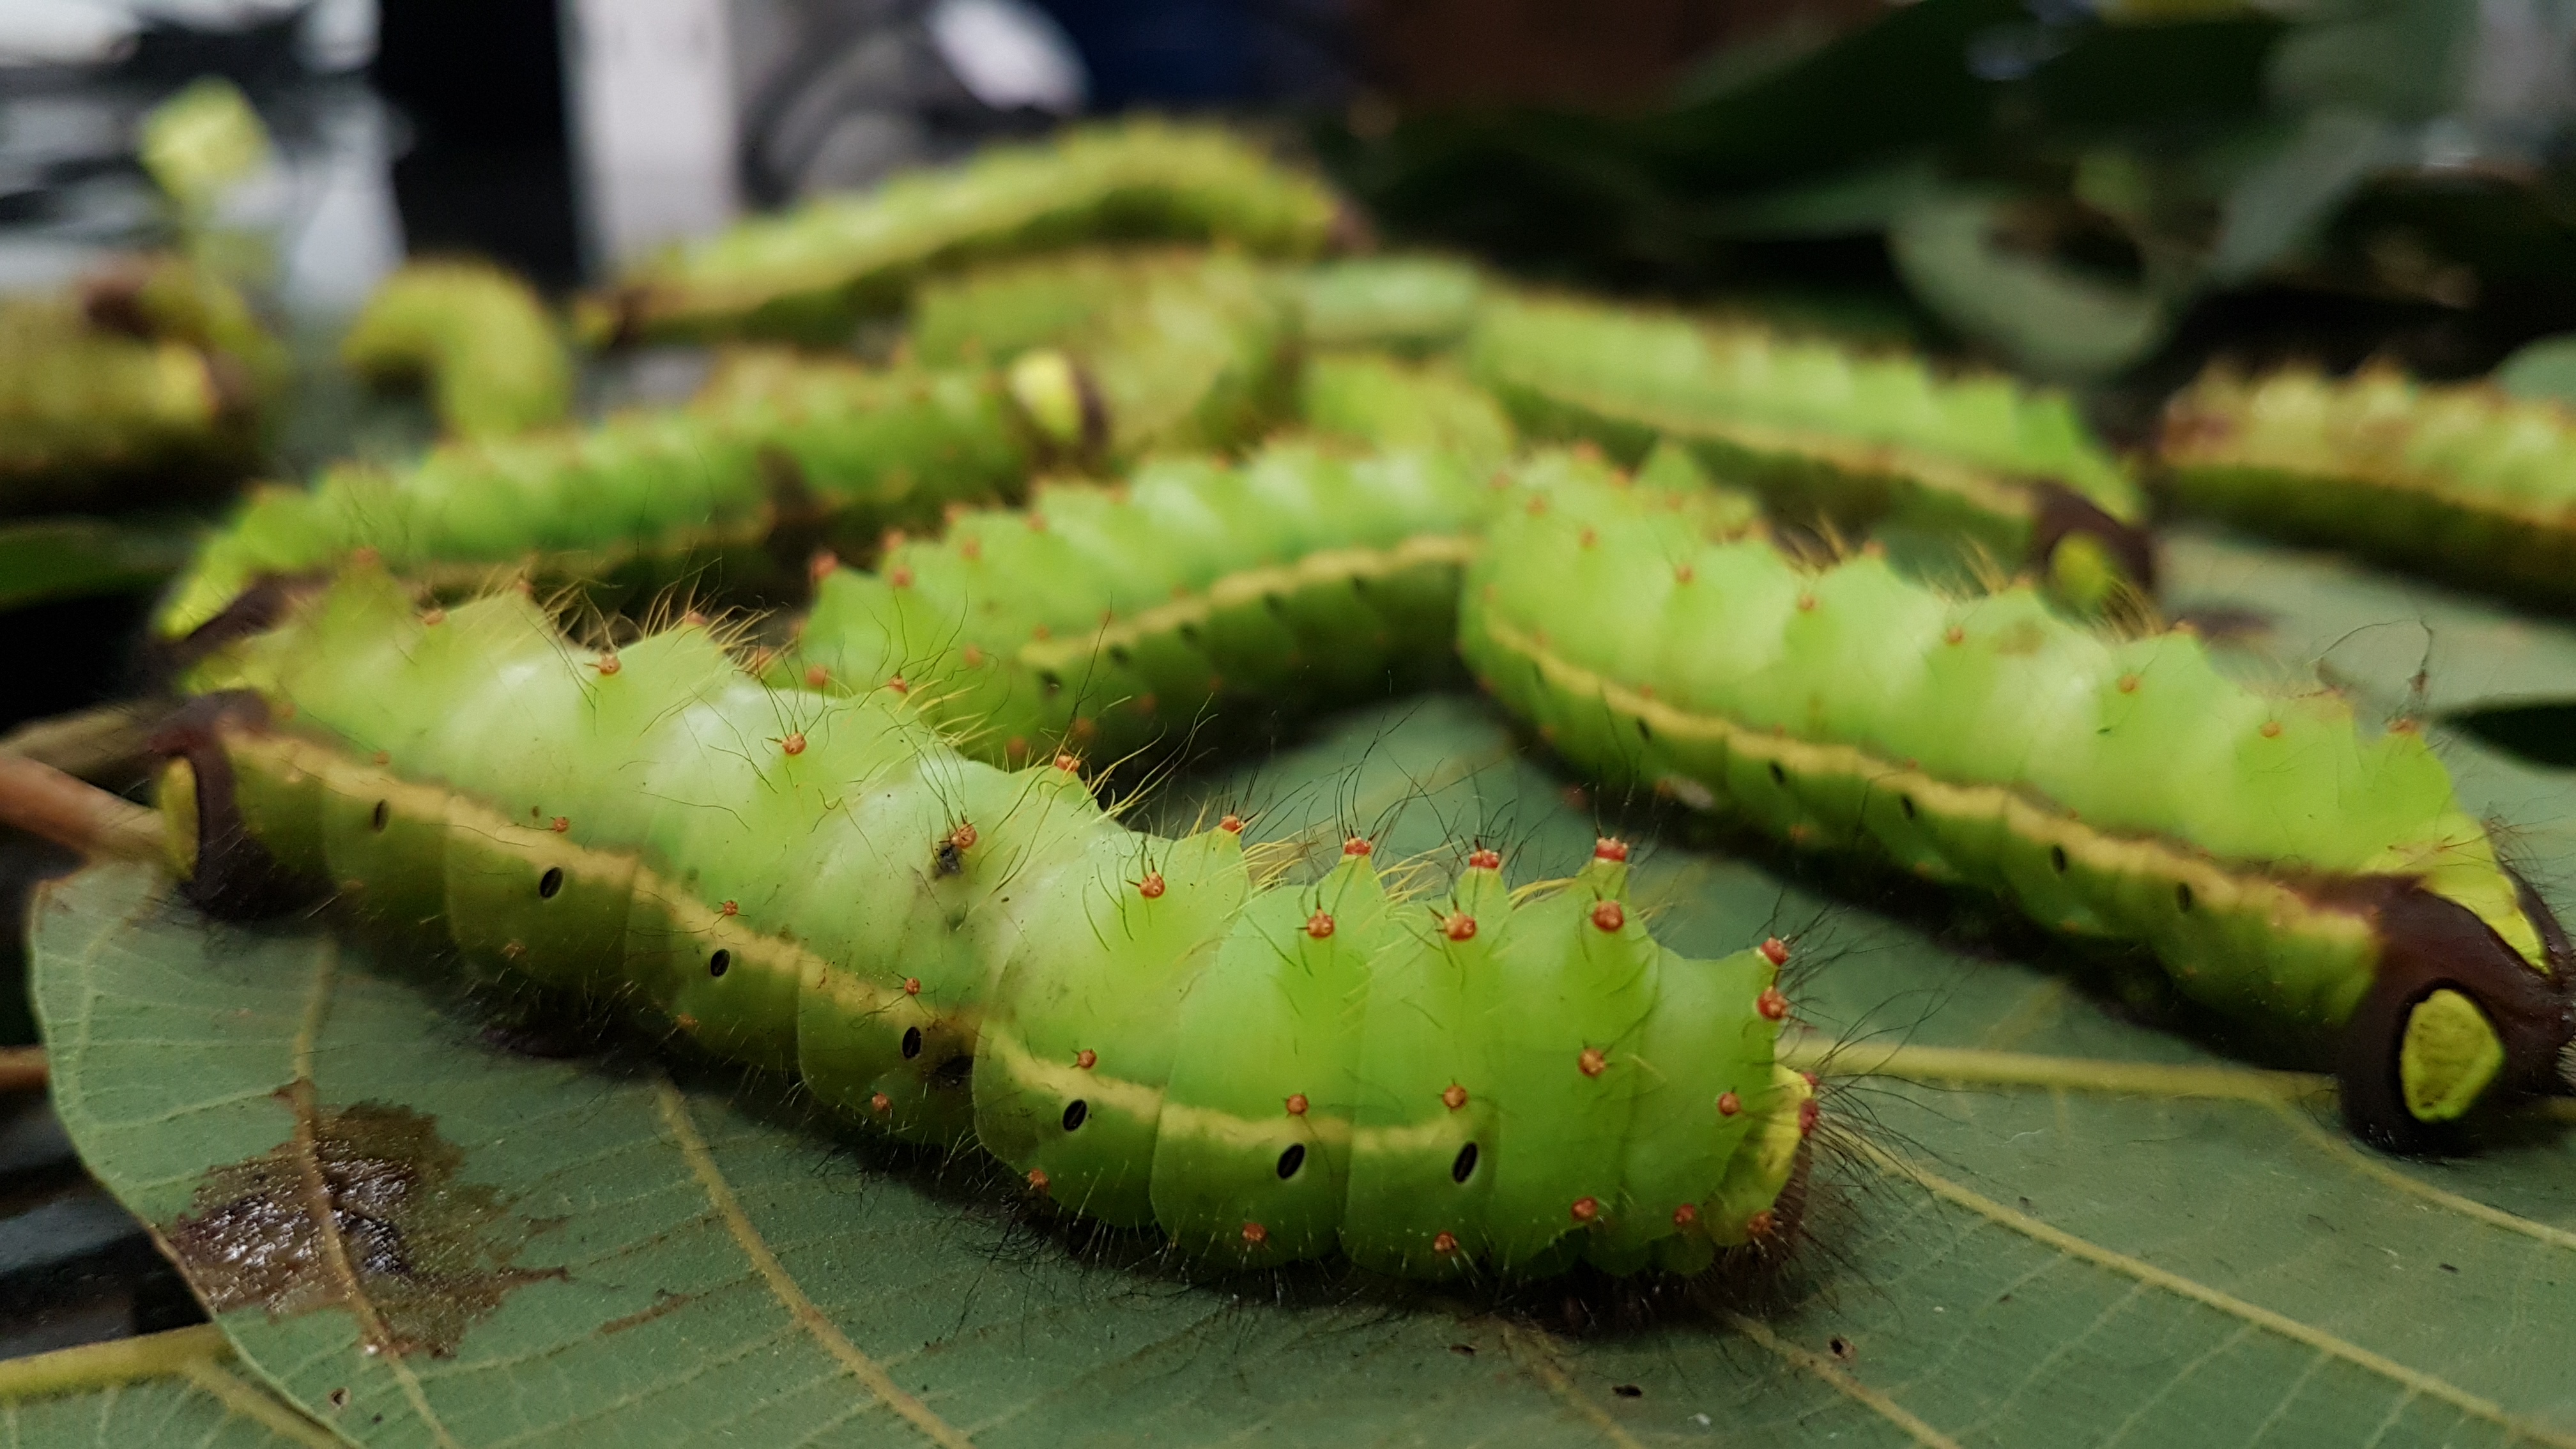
44 801
22 1069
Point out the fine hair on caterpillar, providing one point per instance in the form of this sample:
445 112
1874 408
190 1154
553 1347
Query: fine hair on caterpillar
1434 1077
2317 881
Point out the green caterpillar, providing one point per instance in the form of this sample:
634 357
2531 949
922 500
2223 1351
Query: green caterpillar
831 448
1404 304
1114 620
809 274
1856 444
2282 867
1174 349
779 457
1436 1084
477 335
151 376
2463 482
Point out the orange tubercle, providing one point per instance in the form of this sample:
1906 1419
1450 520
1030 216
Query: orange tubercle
1613 851
1319 925
1151 886
1453 1096
1609 915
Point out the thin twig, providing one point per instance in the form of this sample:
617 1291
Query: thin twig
92 743
22 1069
43 801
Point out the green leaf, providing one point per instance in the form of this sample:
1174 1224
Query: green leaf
2079 1230
42 559
2048 318
180 1387
2544 370
2310 618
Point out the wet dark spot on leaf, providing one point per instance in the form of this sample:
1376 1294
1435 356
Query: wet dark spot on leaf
1628 1391
426 1255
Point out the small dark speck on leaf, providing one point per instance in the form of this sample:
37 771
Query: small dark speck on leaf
339 1399
2447 1268
1842 1348
1628 1391
1468 1349
2025 1205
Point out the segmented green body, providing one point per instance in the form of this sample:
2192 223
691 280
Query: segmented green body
1426 406
478 335
1106 620
2464 482
1406 304
1860 443
779 456
811 272
1178 349
831 447
2282 866
1146 1030
150 376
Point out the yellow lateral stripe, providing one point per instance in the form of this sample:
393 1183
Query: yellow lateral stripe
1328 566
2098 849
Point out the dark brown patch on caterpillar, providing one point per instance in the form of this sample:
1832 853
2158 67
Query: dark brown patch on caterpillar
235 876
2059 513
2428 943
362 1211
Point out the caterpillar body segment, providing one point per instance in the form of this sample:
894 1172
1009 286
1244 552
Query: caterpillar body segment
1106 620
1169 349
2283 867
2464 481
1403 304
477 335
808 274
781 455
1855 443
833 448
1144 1030
1388 402
1111 621
152 374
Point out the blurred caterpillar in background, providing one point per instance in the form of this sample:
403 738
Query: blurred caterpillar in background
811 273
781 455
478 336
2464 482
1858 445
150 378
